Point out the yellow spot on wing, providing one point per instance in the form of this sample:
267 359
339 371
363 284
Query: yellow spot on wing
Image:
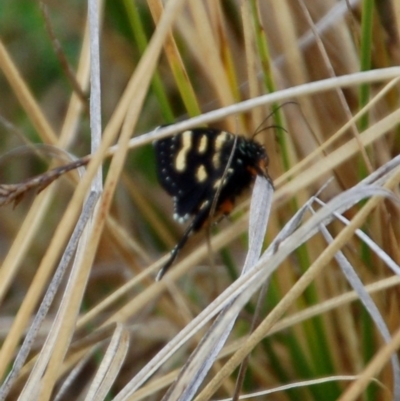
219 142
203 144
180 161
201 173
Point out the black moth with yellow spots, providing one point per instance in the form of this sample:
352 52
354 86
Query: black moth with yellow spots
192 166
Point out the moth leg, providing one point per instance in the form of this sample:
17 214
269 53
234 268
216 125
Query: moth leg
174 253
195 225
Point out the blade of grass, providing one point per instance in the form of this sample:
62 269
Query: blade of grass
110 365
302 283
176 64
25 97
142 42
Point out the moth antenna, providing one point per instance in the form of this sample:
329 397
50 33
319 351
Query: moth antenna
260 128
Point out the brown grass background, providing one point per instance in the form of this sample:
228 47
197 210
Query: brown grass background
219 53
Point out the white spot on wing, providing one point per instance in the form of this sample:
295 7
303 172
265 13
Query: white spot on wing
181 219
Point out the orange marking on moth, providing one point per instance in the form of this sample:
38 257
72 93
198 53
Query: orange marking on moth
225 207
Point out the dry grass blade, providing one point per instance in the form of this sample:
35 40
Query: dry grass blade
308 89
369 305
15 192
110 366
25 96
62 57
43 376
74 374
48 298
380 359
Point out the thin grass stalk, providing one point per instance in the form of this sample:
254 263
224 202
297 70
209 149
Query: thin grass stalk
110 366
268 77
227 58
374 366
322 149
176 64
32 385
207 41
26 98
341 154
252 62
365 53
351 276
307 89
142 43
69 130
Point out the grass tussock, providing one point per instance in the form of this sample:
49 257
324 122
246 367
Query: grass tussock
296 294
